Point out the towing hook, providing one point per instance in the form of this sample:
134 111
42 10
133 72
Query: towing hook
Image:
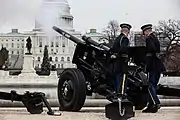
121 109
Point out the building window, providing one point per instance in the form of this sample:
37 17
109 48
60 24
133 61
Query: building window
50 58
12 45
18 52
56 50
6 39
52 44
39 58
68 58
59 65
22 40
62 59
40 50
18 45
22 45
12 52
57 44
55 66
51 50
56 59
40 41
62 66
63 45
40 44
63 50
18 40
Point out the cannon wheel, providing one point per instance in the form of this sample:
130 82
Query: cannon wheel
71 90
143 96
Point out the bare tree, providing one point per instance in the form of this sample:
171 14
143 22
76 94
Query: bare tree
111 32
168 32
169 36
173 59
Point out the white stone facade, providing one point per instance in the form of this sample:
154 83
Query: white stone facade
98 37
13 41
60 49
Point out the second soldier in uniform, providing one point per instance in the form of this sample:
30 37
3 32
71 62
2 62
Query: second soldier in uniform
154 67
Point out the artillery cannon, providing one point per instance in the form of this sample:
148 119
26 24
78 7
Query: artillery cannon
94 75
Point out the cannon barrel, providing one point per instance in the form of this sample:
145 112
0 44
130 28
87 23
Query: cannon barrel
88 40
67 35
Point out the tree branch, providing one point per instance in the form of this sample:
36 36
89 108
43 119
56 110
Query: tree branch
111 31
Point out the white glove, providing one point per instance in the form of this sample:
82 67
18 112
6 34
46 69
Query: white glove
113 56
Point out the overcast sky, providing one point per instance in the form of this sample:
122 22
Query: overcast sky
91 13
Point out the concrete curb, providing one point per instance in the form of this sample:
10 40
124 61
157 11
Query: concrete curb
88 103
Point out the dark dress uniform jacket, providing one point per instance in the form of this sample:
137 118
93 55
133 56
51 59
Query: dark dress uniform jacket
120 47
154 64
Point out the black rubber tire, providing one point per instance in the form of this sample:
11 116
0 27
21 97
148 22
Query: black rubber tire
79 92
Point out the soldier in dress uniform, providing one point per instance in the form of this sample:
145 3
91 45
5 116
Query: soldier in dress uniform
120 50
154 67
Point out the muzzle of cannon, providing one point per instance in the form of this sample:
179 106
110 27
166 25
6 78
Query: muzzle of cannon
68 36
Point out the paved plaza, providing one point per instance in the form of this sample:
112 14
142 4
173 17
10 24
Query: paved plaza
166 113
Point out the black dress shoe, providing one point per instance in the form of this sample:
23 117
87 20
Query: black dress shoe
152 109
147 110
155 108
112 97
158 106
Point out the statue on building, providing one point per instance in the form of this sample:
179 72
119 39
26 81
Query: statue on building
28 46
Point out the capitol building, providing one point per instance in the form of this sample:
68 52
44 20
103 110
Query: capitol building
60 49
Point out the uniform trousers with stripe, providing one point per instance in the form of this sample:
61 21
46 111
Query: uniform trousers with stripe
120 83
152 88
